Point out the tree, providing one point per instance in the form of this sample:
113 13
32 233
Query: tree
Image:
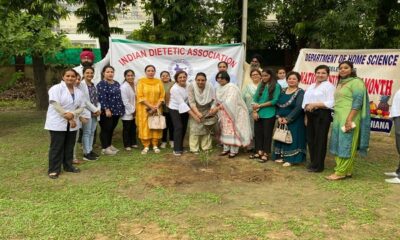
96 15
26 31
178 21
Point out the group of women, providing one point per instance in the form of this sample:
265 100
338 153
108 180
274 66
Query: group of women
245 118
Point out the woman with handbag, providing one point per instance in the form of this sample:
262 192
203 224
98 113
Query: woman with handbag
112 108
290 113
180 110
318 104
150 96
168 132
201 100
128 120
233 116
263 113
351 122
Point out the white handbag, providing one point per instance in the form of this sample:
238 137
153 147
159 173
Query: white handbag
157 121
283 134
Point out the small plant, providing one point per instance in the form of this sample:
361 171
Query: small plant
205 158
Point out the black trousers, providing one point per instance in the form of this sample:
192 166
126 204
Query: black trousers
396 121
129 132
169 130
318 123
263 129
180 122
61 150
107 125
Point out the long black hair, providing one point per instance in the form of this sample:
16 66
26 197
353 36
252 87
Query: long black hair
271 84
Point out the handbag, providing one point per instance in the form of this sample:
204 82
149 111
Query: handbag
156 121
283 134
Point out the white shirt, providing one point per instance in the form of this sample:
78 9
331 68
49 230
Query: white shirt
59 93
395 109
283 83
324 93
128 98
98 67
178 99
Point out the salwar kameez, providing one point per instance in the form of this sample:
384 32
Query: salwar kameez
289 107
152 91
350 94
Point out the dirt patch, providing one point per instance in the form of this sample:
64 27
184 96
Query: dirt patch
189 169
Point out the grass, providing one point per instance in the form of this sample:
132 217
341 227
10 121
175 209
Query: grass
110 198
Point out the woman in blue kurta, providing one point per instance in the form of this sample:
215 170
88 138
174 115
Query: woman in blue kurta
290 112
351 122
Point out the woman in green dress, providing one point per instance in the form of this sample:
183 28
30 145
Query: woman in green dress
290 112
351 122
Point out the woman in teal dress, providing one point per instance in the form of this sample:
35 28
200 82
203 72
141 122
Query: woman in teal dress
290 112
351 122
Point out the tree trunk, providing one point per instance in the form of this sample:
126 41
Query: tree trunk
20 63
105 35
39 79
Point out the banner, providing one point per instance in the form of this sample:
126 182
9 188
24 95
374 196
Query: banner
379 69
127 54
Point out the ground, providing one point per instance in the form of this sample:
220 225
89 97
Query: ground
130 196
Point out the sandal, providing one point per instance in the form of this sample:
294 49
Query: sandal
145 150
287 164
224 153
232 155
156 149
279 161
253 156
334 177
53 175
263 158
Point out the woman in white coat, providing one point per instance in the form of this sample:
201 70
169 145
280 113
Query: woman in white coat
128 119
66 103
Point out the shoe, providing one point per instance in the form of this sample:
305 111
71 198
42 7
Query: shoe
89 157
135 146
391 174
113 148
171 144
286 164
177 153
73 170
195 152
94 154
314 170
163 145
395 180
76 161
53 175
145 150
156 150
108 151
128 149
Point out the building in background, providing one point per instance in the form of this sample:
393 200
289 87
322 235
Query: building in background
129 20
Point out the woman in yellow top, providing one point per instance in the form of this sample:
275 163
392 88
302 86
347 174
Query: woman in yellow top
150 96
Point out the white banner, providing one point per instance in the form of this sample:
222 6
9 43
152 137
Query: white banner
379 68
127 54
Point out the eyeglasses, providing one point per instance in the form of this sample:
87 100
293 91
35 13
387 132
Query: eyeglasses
255 74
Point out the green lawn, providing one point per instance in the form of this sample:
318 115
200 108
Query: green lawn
130 196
